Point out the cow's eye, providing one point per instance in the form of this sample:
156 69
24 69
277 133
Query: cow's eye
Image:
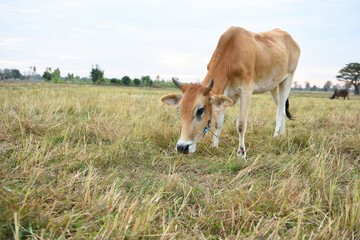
200 113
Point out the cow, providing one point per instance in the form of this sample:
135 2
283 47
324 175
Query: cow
340 93
243 63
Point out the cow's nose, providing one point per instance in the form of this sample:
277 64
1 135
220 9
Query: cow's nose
182 148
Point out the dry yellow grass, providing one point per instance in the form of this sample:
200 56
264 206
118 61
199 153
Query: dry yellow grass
92 162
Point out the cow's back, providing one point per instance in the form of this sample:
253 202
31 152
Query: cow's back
258 59
277 55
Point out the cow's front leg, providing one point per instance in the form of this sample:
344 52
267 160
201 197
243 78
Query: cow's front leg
241 123
219 114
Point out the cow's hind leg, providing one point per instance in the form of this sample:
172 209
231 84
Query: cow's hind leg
275 95
284 90
241 123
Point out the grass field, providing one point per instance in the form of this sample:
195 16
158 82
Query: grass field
92 162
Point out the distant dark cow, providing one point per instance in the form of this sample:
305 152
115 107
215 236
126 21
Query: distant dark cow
340 93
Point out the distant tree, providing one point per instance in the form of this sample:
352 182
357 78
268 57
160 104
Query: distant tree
55 76
32 72
126 80
327 86
147 81
97 75
77 78
15 73
70 77
313 88
307 85
350 75
103 81
336 87
137 81
115 81
11 74
7 73
46 76
296 85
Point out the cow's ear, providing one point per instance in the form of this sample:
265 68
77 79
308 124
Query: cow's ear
171 99
220 101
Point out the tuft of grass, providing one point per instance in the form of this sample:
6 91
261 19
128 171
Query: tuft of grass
94 162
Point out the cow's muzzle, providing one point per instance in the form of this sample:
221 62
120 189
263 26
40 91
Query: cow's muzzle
182 149
185 147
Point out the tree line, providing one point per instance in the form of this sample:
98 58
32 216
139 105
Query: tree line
13 74
97 77
328 86
348 74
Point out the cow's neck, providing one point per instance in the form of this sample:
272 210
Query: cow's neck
220 82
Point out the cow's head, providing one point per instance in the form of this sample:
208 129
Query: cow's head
196 106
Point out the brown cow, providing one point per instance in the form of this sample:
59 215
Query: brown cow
340 93
243 63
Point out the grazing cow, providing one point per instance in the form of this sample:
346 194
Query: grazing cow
243 63
340 93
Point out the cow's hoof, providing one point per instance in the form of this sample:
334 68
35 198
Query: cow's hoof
242 153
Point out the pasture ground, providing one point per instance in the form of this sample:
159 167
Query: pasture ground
93 162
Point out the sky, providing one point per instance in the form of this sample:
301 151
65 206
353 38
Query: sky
170 38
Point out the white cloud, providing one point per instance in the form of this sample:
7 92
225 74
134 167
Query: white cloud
14 64
11 43
83 30
29 11
3 6
158 37
179 59
64 56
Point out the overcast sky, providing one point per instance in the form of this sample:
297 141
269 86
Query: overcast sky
170 38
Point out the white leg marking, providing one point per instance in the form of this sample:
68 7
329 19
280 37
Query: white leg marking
241 123
275 95
219 115
284 90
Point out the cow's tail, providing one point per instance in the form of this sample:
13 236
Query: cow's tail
288 114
